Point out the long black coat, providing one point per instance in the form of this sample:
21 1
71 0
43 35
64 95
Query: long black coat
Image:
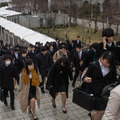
54 78
6 76
98 81
43 63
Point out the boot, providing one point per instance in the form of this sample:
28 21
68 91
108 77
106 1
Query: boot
12 106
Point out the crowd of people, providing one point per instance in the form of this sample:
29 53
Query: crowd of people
52 65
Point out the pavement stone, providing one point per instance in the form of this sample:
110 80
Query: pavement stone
46 111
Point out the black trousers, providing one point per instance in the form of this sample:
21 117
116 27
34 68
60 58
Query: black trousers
75 77
42 83
5 91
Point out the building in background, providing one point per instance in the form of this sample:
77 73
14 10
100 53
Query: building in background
34 21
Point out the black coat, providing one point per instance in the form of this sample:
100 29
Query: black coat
43 63
117 55
13 55
77 43
6 76
31 55
16 59
98 81
54 78
56 47
89 58
100 50
71 47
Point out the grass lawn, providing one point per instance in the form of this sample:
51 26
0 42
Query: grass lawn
73 32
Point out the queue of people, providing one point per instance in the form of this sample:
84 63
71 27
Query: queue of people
52 65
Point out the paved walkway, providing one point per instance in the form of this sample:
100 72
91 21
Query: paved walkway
46 111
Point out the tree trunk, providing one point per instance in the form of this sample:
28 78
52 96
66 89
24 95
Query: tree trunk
89 33
96 29
117 27
103 25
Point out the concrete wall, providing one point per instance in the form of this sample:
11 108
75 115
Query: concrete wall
92 23
30 22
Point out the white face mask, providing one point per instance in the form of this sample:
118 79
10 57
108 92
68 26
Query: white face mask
7 63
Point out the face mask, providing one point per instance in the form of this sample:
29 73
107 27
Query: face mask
8 62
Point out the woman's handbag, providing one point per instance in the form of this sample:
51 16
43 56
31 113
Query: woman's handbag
83 99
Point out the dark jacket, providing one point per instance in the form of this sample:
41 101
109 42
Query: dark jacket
77 43
89 58
32 55
76 61
100 50
44 63
55 77
16 59
98 81
6 76
56 46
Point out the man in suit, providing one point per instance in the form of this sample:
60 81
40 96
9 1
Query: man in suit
32 53
16 55
72 45
108 44
78 58
78 41
56 44
98 75
44 63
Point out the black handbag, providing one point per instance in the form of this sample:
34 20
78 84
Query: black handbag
83 99
1 95
106 90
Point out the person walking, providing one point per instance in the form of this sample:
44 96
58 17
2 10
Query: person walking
58 81
98 75
7 74
29 88
44 63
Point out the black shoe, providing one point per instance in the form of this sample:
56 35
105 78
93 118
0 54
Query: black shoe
54 106
43 91
64 111
5 102
12 107
89 114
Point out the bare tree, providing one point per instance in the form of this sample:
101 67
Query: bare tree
96 13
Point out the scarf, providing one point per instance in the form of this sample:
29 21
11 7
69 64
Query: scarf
26 78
